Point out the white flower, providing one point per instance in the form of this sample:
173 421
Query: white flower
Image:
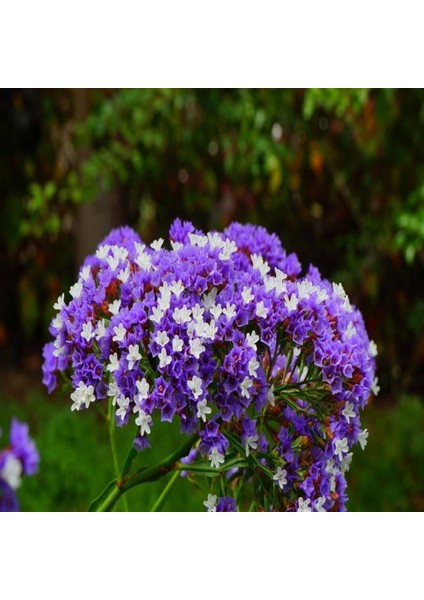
247 295
345 464
164 359
120 333
350 330
321 295
144 261
197 312
113 363
209 330
215 240
251 443
157 244
123 404
177 288
139 247
216 458
375 388
133 355
177 344
305 288
82 395
113 262
372 349
203 410
164 300
195 385
291 303
76 290
251 340
124 275
341 447
120 252
57 322
339 291
87 331
348 411
216 311
330 467
100 330
157 314
363 438
303 505
60 303
260 264
270 283
176 245
58 348
319 504
280 275
210 503
196 347
280 477
182 315
114 307
162 338
245 385
209 299
143 389
261 310
12 471
102 252
143 421
85 273
197 240
253 366
113 391
227 250
229 311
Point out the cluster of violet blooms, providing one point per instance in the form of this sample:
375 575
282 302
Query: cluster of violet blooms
221 332
19 458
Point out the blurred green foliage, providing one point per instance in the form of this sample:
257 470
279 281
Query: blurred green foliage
388 475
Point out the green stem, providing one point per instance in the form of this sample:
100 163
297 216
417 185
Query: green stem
144 475
132 453
157 471
165 492
205 468
112 438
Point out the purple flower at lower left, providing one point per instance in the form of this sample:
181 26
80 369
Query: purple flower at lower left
18 459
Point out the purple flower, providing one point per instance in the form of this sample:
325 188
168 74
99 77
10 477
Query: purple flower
222 333
23 447
8 499
226 504
19 458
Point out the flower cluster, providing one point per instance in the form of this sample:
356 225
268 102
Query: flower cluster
221 331
19 458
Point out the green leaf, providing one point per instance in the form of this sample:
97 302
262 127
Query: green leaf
97 502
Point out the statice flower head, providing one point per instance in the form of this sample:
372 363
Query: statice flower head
19 458
222 333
